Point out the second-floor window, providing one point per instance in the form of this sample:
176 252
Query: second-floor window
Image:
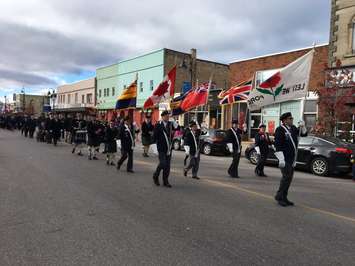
89 98
141 86
99 93
63 98
76 98
353 44
69 98
151 85
82 98
113 91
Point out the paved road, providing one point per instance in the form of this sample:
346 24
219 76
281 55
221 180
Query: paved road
60 209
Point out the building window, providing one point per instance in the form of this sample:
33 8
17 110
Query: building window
76 98
63 98
89 98
141 86
83 98
69 98
113 91
99 93
310 114
151 85
353 44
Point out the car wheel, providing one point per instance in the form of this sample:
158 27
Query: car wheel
253 156
207 149
176 145
319 166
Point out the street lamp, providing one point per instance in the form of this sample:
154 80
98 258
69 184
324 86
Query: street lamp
52 96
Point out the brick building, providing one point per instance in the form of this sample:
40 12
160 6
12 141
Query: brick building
340 77
265 66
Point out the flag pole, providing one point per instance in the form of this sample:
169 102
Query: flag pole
208 95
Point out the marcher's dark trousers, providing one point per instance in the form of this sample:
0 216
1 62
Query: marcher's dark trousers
164 164
287 176
233 169
26 133
261 162
124 156
31 133
194 164
55 140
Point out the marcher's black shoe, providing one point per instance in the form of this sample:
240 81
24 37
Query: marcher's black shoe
145 155
107 162
196 177
118 166
167 185
94 158
130 171
156 180
80 154
112 163
89 157
263 175
289 203
283 203
73 150
185 172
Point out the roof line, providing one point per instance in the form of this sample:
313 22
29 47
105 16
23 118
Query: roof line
279 53
74 82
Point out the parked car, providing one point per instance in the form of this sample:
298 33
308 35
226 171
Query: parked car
211 143
319 155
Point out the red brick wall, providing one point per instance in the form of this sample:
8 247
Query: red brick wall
244 70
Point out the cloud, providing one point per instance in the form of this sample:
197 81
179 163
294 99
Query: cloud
43 40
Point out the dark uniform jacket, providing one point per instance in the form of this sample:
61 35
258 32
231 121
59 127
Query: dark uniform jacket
283 142
162 136
110 139
127 137
230 138
147 133
189 140
55 127
262 141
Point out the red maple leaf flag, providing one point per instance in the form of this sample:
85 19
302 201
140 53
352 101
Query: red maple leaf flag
164 90
196 97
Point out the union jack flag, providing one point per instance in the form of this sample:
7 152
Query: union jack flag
236 93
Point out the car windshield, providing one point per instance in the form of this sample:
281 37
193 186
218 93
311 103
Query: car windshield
213 133
335 140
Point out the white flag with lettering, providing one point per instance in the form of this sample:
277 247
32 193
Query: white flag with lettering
290 83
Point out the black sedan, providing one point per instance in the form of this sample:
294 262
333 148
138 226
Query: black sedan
211 143
320 155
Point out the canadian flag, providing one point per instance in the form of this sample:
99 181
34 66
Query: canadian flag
164 90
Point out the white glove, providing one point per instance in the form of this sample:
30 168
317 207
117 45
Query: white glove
245 127
187 149
230 147
301 123
257 149
280 156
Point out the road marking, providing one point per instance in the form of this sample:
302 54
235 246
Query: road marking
258 194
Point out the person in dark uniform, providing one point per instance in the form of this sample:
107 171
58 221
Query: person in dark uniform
147 134
286 143
31 126
55 129
192 141
127 144
162 136
111 134
78 133
262 142
234 140
92 138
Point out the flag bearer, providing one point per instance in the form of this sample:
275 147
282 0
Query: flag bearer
262 142
192 141
286 143
126 134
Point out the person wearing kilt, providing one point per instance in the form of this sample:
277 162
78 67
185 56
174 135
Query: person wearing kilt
79 135
111 134
147 134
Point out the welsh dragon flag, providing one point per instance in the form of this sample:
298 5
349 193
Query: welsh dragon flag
164 90
290 83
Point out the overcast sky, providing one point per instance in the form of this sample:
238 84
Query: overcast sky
49 42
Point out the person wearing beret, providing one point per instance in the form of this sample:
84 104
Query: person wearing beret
286 143
192 148
234 142
262 142
162 136
126 134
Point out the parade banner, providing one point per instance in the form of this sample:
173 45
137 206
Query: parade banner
164 91
290 83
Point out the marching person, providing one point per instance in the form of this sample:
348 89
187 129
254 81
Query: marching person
92 138
54 129
234 138
127 144
111 133
286 143
192 141
78 133
262 142
147 134
163 133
